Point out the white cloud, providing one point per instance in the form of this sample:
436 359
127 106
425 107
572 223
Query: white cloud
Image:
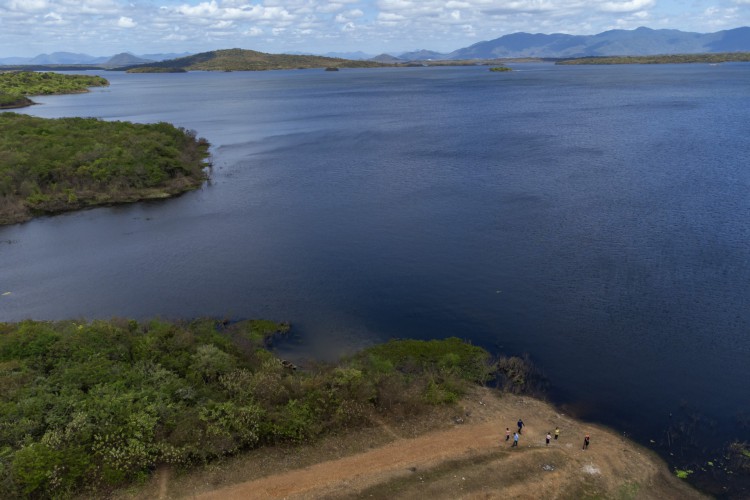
174 37
27 5
332 25
126 22
628 6
222 25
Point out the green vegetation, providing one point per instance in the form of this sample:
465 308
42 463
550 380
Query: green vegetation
248 60
16 85
683 474
663 59
49 166
8 101
87 406
500 68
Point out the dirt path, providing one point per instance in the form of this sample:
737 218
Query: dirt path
363 470
469 460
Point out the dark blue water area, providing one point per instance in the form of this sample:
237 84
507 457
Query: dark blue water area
596 218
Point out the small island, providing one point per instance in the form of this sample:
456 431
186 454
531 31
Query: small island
500 68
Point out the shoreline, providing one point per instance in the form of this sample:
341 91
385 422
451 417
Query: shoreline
136 197
426 453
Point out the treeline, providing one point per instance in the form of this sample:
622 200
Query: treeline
54 165
663 59
89 406
15 86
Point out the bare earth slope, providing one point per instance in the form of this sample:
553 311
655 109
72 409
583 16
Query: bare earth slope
468 460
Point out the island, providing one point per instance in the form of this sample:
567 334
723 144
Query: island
245 60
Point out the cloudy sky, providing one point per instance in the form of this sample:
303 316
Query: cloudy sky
107 27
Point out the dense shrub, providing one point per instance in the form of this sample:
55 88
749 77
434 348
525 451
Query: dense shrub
52 165
85 406
25 83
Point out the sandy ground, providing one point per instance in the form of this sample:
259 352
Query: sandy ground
435 457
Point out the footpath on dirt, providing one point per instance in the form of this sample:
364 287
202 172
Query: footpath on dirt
468 458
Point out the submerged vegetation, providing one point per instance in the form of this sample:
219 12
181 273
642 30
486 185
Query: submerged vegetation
54 165
15 86
87 406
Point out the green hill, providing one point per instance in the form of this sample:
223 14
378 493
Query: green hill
248 60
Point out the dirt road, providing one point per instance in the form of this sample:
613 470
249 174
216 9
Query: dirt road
470 459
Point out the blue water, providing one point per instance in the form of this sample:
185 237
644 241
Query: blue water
597 218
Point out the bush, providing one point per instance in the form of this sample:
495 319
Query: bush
53 165
92 405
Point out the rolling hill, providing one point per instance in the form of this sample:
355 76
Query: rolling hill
248 60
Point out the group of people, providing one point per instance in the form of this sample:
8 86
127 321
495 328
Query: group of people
547 438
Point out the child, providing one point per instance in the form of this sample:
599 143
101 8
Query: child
507 434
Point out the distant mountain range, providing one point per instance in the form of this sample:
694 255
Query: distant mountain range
637 42
67 58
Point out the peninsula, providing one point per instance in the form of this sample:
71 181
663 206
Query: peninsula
92 406
56 165
17 86
662 59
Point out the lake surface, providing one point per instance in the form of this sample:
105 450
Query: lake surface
597 218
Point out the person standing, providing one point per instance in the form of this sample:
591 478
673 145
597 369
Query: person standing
520 425
586 442
507 434
557 433
548 438
515 440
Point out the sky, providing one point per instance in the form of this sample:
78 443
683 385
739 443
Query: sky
108 27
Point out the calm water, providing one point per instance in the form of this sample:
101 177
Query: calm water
596 218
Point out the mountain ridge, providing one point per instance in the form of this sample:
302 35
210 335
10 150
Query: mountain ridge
638 42
641 41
